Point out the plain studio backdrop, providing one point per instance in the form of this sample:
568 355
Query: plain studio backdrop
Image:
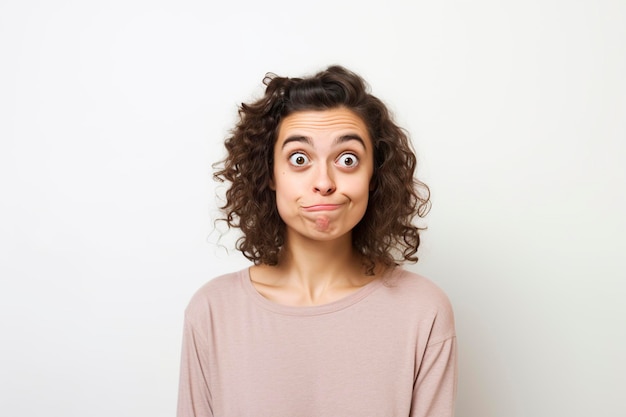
113 112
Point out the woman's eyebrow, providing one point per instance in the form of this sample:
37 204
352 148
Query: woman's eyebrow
349 137
301 139
341 139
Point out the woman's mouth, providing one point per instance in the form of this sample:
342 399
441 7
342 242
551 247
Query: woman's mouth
322 207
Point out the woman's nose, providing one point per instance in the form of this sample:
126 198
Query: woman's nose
324 183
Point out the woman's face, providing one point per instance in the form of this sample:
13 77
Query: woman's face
323 165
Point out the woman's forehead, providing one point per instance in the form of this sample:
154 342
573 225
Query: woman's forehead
338 120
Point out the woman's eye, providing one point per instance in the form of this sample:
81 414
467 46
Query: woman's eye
298 159
348 160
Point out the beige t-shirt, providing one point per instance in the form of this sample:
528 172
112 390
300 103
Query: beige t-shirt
387 349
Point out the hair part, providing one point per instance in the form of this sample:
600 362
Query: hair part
386 234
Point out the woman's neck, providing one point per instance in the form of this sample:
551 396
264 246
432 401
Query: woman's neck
312 272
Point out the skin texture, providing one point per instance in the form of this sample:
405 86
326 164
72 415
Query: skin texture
322 171
323 166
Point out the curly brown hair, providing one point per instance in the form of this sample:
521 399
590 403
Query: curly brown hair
386 234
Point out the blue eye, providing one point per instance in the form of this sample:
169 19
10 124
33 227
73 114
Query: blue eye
348 160
298 159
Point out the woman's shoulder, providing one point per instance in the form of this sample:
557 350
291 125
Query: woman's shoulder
418 295
415 286
216 293
220 283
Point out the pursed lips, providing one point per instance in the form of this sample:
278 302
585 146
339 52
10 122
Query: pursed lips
321 207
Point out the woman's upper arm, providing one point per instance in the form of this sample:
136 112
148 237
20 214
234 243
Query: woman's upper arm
194 394
434 392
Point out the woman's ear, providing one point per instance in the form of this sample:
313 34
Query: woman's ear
272 185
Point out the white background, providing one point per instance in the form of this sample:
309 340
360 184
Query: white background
112 112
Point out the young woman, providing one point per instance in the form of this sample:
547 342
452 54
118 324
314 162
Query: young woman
324 323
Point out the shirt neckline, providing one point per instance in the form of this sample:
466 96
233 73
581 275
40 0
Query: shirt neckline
327 308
